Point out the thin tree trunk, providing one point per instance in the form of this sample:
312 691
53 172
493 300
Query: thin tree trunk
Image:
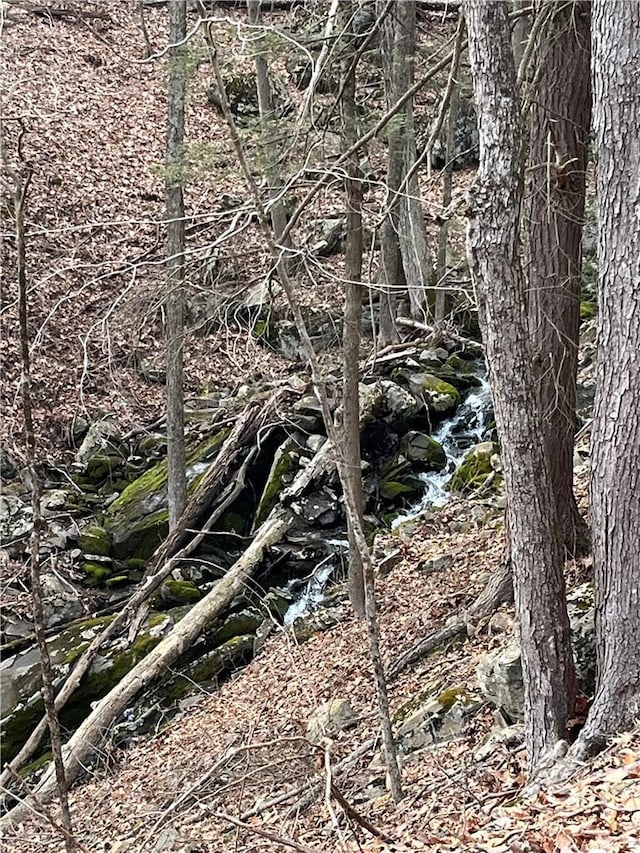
615 443
391 759
404 256
174 301
493 243
268 123
447 181
554 212
352 322
60 783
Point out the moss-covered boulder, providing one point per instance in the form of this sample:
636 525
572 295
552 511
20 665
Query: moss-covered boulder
95 540
478 464
457 372
138 520
423 451
209 668
173 593
20 701
440 397
283 468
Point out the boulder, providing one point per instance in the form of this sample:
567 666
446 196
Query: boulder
476 468
499 677
423 450
62 602
440 397
329 719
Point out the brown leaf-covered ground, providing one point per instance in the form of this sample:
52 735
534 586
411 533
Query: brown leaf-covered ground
236 753
92 110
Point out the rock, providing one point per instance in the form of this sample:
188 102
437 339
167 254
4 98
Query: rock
173 593
510 737
52 502
320 508
581 609
329 719
439 397
95 540
8 468
435 718
477 466
331 239
283 468
62 602
500 673
500 680
20 700
418 447
102 439
387 400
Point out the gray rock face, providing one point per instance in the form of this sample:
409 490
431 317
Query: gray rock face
61 601
103 437
500 673
500 680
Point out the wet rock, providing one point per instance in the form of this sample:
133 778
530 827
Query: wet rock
329 719
476 469
439 397
418 447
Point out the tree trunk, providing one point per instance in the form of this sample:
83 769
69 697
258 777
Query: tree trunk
174 301
493 243
560 119
615 453
160 658
268 125
404 256
352 321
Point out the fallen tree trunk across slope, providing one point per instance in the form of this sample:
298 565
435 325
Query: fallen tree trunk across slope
157 661
223 471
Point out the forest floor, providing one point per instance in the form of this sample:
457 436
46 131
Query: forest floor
92 111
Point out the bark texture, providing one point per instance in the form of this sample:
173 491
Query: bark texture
352 320
554 211
493 243
404 255
174 301
615 459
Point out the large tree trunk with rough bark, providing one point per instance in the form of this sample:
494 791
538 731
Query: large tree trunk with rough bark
554 210
493 243
615 455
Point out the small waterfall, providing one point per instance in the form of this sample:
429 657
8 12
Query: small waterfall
456 435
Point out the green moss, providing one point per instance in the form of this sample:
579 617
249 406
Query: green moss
173 593
475 468
441 397
285 462
390 490
96 572
117 580
95 540
587 310
216 663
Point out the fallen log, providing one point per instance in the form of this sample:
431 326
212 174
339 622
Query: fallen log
223 471
156 663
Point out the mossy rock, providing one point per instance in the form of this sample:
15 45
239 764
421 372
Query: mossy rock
95 540
210 667
476 466
440 397
241 623
423 449
96 573
173 593
104 466
138 519
457 372
285 464
21 682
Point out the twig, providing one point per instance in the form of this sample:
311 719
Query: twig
360 819
265 833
